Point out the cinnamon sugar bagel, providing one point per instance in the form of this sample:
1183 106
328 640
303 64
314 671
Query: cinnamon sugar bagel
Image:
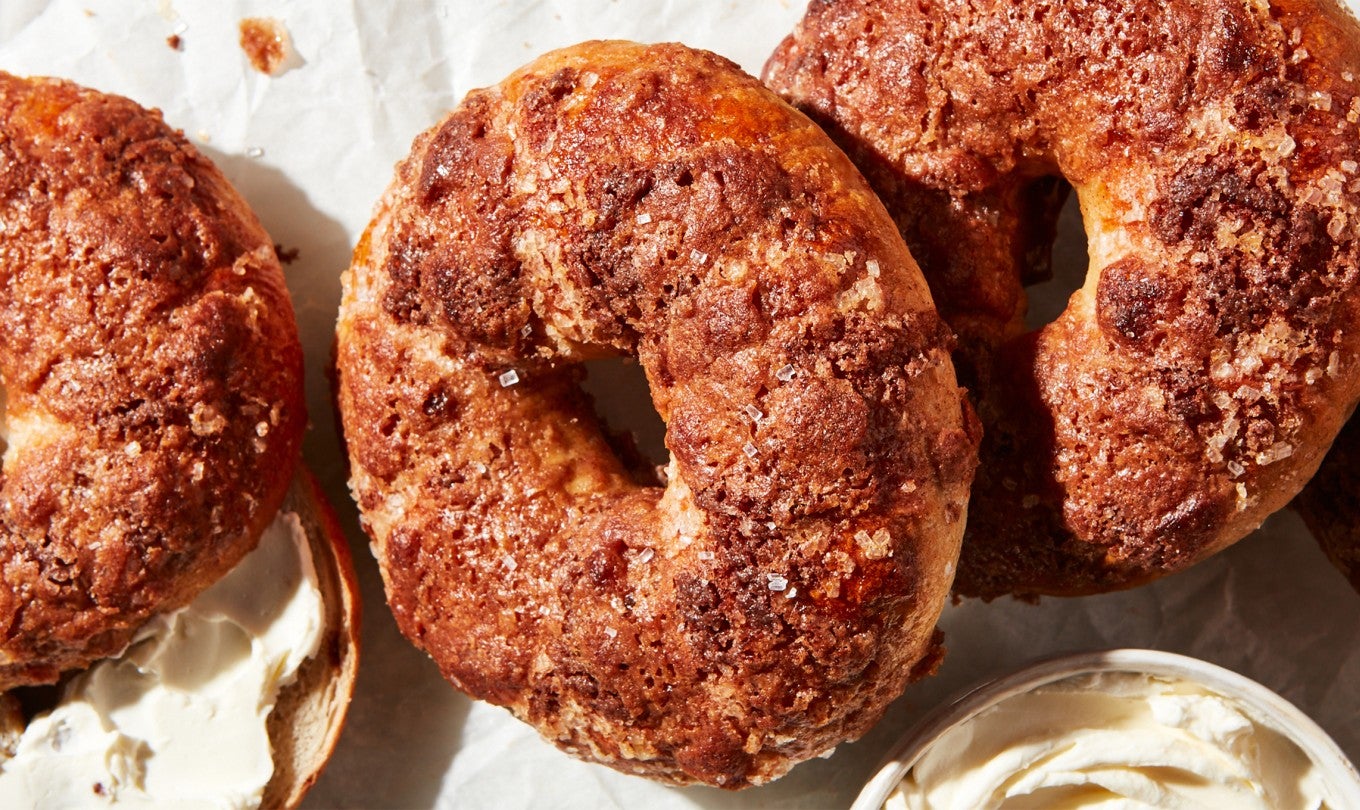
1194 382
152 375
770 599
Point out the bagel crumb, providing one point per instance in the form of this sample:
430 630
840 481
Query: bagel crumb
267 45
286 255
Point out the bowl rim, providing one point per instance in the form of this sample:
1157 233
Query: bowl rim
1262 704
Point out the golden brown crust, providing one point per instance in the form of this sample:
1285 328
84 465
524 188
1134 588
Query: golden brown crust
151 369
1330 504
777 593
1192 385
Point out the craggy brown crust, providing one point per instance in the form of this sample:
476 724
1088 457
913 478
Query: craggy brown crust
1330 503
152 372
620 199
310 712
1193 384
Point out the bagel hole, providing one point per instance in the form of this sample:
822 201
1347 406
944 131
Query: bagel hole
1048 299
623 401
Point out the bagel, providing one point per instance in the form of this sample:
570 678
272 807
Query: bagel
153 404
1330 504
1194 382
303 713
773 596
153 416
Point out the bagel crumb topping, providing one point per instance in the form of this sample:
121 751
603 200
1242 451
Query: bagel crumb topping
267 45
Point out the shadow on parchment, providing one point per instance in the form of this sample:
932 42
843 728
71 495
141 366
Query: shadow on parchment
405 722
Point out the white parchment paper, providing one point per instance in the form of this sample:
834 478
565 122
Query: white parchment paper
312 149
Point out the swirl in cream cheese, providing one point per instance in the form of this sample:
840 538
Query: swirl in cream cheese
1112 740
180 718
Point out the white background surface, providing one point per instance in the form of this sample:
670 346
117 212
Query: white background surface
312 149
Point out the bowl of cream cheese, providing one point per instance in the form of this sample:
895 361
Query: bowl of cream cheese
1116 728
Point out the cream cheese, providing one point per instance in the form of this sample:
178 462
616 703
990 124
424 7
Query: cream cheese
179 720
1112 740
